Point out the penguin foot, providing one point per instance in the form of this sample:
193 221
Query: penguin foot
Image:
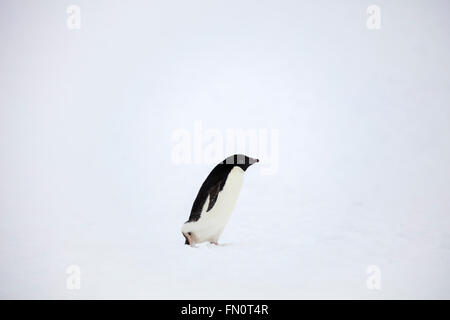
214 242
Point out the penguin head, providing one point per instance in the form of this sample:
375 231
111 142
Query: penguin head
240 160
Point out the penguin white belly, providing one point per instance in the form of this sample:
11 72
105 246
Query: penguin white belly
211 224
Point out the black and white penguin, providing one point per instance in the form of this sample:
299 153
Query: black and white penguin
215 200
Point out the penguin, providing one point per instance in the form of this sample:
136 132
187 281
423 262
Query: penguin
215 200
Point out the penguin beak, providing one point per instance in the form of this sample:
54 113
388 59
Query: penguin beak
253 161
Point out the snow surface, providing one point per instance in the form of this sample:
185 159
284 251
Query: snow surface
86 176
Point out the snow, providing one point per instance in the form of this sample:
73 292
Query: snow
87 179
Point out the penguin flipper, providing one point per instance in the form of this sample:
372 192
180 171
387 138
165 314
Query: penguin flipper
213 195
